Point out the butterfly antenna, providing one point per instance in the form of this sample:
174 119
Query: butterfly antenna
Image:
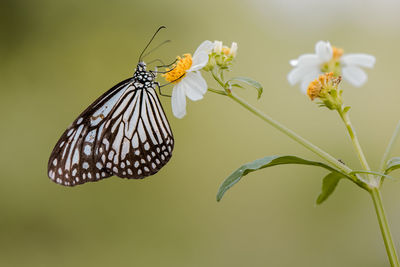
155 48
154 35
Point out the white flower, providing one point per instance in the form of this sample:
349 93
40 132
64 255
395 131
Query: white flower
329 59
187 78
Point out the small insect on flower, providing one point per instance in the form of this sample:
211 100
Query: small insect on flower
187 79
328 58
124 132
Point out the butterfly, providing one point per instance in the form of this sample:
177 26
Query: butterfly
125 133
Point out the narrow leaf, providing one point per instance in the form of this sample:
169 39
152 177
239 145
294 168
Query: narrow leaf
372 172
392 165
329 184
264 163
250 82
237 85
346 109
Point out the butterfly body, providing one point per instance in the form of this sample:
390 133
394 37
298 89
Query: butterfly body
124 132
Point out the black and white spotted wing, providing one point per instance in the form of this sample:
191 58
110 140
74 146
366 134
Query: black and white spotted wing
124 132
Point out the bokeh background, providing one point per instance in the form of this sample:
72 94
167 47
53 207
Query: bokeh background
56 57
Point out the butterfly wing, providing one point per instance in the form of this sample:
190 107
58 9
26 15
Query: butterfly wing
124 132
68 163
140 141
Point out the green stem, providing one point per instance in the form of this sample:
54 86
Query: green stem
384 226
346 119
291 134
374 192
218 79
220 92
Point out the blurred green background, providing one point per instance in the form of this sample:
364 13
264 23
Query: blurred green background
56 57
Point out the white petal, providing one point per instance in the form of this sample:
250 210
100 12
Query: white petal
305 82
298 73
294 62
309 60
324 51
362 60
178 101
206 47
217 46
199 61
234 48
354 75
194 86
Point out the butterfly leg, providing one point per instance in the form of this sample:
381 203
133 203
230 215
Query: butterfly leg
164 66
159 89
159 86
162 72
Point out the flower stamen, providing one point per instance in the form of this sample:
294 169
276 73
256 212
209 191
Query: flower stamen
178 70
314 89
325 87
226 50
337 52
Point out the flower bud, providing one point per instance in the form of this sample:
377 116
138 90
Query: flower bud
222 55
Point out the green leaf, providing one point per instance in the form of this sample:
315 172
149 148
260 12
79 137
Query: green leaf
250 82
392 165
264 163
237 85
372 172
329 184
346 109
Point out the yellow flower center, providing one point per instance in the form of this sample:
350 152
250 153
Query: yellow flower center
337 52
314 89
179 69
326 88
226 50
324 84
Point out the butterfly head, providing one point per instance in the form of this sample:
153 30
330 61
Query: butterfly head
141 66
